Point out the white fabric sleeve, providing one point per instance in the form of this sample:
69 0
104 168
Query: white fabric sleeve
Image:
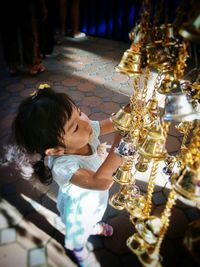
64 169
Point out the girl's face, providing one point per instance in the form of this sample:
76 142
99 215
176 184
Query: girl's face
77 132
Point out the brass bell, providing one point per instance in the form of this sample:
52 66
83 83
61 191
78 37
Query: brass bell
187 185
130 63
155 55
150 257
153 146
149 229
118 200
123 175
122 119
166 84
191 30
135 207
178 108
136 244
142 164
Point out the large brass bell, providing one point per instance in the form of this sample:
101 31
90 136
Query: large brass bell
149 229
187 185
122 119
130 63
178 108
153 146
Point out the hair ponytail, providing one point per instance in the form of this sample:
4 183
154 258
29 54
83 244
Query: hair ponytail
43 172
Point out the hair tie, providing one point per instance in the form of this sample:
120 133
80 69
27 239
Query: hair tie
42 86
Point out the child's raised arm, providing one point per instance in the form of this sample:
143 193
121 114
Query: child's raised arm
102 178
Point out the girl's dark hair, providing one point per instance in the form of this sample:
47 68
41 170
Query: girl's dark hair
39 125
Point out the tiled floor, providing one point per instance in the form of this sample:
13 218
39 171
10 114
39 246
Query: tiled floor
31 233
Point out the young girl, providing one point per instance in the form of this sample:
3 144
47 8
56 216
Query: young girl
50 124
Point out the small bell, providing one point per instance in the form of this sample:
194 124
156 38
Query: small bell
130 63
149 229
136 244
178 108
118 200
123 175
187 185
135 207
125 147
166 84
142 164
122 119
168 35
156 55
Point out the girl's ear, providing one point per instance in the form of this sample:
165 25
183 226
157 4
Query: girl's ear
55 151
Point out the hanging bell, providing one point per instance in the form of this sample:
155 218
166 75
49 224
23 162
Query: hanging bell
136 244
166 84
123 176
118 200
153 146
149 229
187 185
150 257
135 207
130 63
122 119
156 55
142 164
178 108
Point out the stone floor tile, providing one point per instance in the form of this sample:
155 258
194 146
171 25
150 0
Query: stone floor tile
7 236
37 256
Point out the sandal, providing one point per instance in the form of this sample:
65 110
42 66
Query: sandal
37 68
107 230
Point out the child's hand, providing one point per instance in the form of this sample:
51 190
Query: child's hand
102 150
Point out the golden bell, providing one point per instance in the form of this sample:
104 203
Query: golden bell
191 30
150 257
136 244
155 55
123 175
153 146
149 229
187 185
130 63
178 108
142 164
122 119
135 207
166 84
118 200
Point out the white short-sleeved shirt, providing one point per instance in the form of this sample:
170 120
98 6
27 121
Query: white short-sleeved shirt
80 208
